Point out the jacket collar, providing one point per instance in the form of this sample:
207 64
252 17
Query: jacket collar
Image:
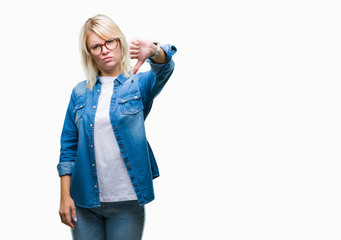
121 79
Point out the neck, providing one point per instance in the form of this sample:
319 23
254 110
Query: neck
110 73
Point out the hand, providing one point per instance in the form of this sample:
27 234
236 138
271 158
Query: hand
67 206
141 49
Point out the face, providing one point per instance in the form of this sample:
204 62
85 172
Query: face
109 60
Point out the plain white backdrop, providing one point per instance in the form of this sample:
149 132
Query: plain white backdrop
246 132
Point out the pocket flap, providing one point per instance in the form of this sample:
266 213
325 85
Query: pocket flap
131 96
79 105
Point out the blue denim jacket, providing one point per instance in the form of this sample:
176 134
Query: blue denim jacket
130 104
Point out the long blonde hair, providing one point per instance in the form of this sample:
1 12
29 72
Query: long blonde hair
107 29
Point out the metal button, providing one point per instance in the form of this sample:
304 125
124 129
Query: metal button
93 164
95 186
121 146
98 90
135 96
90 125
91 145
94 106
136 185
128 165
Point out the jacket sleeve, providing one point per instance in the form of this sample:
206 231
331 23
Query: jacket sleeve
152 82
68 141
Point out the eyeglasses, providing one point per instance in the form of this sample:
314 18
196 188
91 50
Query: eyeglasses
110 45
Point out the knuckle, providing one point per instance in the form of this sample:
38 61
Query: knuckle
63 213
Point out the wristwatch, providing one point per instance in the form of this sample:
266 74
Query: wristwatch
158 49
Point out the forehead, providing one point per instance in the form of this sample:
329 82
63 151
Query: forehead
93 39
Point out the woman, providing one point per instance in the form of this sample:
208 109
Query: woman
106 165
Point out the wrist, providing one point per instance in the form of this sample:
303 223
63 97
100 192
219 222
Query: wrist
65 194
156 50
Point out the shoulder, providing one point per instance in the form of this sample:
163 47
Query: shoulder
80 89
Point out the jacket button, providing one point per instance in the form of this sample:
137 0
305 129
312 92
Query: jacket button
121 146
91 146
94 106
90 125
95 186
128 165
136 185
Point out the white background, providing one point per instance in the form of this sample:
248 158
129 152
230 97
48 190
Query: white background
246 132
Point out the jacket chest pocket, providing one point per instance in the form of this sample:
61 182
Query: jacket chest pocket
130 104
79 111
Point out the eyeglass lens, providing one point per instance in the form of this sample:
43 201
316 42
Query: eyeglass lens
110 45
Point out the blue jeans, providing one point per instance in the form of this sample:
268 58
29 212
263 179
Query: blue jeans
111 221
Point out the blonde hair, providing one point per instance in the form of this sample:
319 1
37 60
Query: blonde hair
107 29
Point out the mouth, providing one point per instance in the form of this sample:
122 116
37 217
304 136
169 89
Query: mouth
106 59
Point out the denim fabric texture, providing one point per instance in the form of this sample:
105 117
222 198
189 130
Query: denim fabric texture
131 103
111 221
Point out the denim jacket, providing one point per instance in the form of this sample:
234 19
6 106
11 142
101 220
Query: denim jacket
130 104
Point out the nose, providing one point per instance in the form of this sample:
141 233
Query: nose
104 50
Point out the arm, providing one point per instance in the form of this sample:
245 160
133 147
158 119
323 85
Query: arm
141 49
152 82
69 142
67 205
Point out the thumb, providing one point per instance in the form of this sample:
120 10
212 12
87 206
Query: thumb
137 66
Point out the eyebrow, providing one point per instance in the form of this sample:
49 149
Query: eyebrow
96 44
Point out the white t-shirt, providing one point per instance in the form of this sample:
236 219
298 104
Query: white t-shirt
113 179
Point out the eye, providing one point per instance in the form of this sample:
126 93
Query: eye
95 47
110 41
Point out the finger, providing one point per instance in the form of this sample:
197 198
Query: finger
69 222
74 214
62 219
65 218
135 50
132 52
134 56
137 66
134 47
134 43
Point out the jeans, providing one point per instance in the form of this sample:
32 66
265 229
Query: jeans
111 221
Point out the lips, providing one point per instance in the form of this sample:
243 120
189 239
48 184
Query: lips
106 59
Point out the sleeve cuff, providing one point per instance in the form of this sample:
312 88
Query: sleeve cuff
65 168
170 50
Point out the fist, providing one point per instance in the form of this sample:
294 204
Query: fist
141 49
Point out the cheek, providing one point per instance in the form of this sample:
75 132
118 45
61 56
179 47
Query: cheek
117 53
96 59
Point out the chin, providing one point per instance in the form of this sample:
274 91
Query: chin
109 65
110 68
